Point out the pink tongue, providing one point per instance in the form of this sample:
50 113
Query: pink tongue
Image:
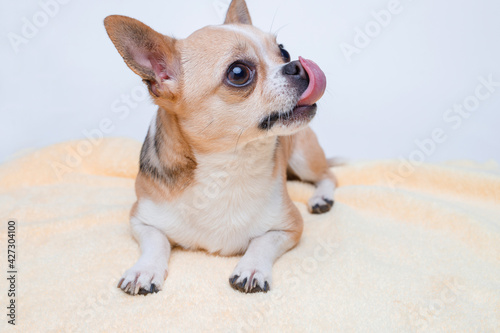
317 83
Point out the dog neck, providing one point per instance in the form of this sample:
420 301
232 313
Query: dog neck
168 158
255 159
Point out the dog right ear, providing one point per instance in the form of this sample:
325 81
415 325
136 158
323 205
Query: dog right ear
148 53
238 13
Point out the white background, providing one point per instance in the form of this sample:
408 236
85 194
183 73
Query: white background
66 77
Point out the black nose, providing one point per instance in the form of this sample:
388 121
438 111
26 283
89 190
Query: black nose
297 76
295 68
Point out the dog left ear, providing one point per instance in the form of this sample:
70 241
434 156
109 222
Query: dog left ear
238 13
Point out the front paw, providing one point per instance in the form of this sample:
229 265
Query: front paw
250 280
143 279
320 204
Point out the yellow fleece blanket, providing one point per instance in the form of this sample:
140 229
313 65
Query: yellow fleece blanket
405 249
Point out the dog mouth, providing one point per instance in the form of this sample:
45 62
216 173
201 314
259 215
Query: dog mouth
317 82
306 107
299 114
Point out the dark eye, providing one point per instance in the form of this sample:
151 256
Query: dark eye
239 74
284 53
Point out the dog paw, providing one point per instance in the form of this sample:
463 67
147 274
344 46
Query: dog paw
320 204
143 279
250 281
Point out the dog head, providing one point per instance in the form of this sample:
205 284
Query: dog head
227 84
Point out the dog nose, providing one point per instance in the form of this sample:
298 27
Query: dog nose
295 68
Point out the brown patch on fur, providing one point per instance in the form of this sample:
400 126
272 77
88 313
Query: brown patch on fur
167 161
146 187
288 144
296 225
174 150
284 147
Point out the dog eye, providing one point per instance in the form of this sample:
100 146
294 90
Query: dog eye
284 53
239 74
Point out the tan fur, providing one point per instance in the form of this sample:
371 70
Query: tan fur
316 163
238 13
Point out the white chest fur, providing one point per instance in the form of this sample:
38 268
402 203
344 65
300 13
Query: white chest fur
234 198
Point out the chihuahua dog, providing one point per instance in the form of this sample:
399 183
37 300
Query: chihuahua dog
231 126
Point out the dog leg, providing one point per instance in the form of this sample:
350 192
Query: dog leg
150 271
308 162
254 271
322 199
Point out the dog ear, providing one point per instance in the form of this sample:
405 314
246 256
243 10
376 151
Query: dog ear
238 13
148 53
